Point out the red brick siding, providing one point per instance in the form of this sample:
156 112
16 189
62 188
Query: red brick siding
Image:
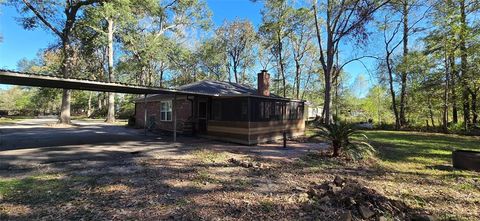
183 109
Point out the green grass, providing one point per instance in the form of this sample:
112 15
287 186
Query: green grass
418 152
12 119
204 177
267 206
209 156
416 168
100 120
38 189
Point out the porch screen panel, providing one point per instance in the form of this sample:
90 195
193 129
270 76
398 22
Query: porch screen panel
274 110
230 109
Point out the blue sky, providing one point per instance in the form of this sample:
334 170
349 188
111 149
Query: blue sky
19 43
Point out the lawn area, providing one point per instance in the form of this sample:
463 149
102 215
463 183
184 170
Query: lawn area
11 119
410 169
421 153
417 169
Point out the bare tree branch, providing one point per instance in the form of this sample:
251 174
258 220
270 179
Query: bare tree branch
42 18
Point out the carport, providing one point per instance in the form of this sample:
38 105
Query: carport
39 80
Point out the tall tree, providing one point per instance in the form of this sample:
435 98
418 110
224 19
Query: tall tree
405 11
463 61
111 76
390 46
300 38
396 20
275 30
103 22
238 38
441 45
60 18
212 56
341 19
160 26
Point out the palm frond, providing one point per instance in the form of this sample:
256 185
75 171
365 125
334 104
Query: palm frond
341 133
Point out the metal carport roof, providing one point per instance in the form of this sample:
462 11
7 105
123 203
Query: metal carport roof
37 80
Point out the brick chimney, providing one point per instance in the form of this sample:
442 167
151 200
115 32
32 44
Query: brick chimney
263 83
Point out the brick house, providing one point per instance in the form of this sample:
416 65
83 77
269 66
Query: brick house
224 111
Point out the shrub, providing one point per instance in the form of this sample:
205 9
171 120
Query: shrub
457 128
99 113
341 136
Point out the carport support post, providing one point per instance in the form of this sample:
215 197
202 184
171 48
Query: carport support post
145 114
175 118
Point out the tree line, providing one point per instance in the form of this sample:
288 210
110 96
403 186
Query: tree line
422 56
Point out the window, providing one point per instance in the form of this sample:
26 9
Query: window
166 110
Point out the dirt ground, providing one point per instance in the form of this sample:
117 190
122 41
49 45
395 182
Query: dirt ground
37 142
104 172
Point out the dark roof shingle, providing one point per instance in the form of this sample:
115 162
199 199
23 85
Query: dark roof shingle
220 88
216 88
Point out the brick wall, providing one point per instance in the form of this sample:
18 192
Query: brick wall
183 110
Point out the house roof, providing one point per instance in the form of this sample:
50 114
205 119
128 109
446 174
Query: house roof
218 89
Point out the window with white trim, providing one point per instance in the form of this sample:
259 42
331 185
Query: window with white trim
166 110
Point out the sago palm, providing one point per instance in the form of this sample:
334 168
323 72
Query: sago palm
340 135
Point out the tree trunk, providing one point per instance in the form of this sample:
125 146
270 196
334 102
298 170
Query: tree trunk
66 71
454 106
227 67
336 149
328 78
474 108
454 94
336 85
105 100
306 84
430 111
277 79
280 58
466 109
392 91
65 108
162 71
111 76
298 71
403 91
235 73
89 108
445 95
463 60
99 97
327 98
326 63
111 108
